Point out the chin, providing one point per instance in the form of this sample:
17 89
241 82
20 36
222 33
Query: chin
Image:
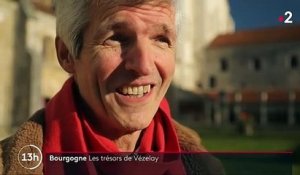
136 124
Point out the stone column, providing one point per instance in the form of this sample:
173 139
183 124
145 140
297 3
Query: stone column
237 106
22 62
225 106
8 17
207 111
36 101
264 108
218 112
291 109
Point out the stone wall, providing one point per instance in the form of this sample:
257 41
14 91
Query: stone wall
7 40
30 72
201 22
15 65
275 71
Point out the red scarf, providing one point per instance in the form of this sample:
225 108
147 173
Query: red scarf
68 130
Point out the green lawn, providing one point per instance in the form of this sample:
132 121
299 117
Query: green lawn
264 140
246 143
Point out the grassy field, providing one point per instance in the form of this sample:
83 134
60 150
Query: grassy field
227 139
253 143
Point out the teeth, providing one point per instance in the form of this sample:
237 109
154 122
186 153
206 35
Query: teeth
140 90
129 91
140 95
137 91
134 90
147 89
124 90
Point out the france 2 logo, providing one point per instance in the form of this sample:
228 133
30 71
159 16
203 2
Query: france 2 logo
287 18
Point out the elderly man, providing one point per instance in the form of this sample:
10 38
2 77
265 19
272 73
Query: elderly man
120 55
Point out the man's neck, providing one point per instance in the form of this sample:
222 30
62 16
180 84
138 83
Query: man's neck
128 142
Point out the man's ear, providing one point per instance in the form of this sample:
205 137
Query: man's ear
64 56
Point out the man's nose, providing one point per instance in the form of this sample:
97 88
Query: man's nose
140 58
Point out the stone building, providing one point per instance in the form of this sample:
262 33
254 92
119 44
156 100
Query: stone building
29 70
256 72
200 22
8 16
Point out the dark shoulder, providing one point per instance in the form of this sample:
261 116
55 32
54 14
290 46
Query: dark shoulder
38 118
195 157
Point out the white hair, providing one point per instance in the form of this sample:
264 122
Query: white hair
72 17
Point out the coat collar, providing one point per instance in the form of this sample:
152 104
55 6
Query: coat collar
31 133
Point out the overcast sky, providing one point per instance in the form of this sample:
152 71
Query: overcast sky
249 14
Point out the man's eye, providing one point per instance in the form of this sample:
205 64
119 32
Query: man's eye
117 39
163 41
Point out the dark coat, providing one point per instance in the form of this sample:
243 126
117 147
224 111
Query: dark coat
31 132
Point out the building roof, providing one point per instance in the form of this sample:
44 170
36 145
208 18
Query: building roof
258 36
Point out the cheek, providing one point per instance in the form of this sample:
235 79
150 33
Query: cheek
106 66
166 66
106 63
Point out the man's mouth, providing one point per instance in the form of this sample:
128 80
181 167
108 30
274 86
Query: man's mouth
135 91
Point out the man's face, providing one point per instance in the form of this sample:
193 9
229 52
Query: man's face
126 64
